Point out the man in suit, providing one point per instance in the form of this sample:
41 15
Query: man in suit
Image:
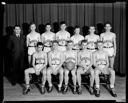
16 47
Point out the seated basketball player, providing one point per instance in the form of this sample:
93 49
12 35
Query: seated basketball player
102 66
85 66
55 59
70 58
39 65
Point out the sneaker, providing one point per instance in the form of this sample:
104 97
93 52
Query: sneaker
26 91
59 89
65 89
91 90
97 94
74 90
42 90
79 90
50 89
113 93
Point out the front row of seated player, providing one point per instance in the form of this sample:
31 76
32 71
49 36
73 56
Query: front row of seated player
70 61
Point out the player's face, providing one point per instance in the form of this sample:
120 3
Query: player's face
77 30
17 30
70 45
92 29
33 27
48 27
108 27
84 45
40 47
63 26
100 46
55 46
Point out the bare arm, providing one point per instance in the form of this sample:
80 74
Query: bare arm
114 39
27 41
33 61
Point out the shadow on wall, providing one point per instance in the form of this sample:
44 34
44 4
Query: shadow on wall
56 27
85 30
70 29
100 28
41 28
25 28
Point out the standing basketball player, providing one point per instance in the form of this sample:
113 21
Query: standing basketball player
39 65
92 38
85 62
32 38
70 65
109 39
62 36
55 59
47 38
77 38
101 64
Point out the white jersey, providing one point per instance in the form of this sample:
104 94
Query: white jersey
85 57
33 39
92 39
48 36
76 40
108 39
101 58
70 56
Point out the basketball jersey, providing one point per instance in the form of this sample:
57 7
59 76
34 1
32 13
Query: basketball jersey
55 58
92 39
70 56
108 40
85 57
76 40
62 37
33 39
48 38
101 59
40 59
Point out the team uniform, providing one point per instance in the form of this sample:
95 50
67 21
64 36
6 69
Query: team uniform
92 39
55 67
33 39
40 62
47 40
62 38
85 66
76 40
108 43
70 58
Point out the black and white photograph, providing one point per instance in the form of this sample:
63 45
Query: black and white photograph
64 51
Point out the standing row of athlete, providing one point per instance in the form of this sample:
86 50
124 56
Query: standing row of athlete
62 59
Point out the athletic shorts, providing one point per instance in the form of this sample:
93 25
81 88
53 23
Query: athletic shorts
110 51
31 50
104 71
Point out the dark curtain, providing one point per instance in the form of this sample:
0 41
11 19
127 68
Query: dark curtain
82 14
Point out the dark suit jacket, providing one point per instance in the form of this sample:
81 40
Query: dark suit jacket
16 49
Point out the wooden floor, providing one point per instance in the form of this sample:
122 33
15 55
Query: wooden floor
14 93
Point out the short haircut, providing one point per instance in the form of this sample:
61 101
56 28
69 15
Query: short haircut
39 43
83 41
62 22
69 41
31 23
99 41
76 27
55 41
17 26
107 23
47 24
